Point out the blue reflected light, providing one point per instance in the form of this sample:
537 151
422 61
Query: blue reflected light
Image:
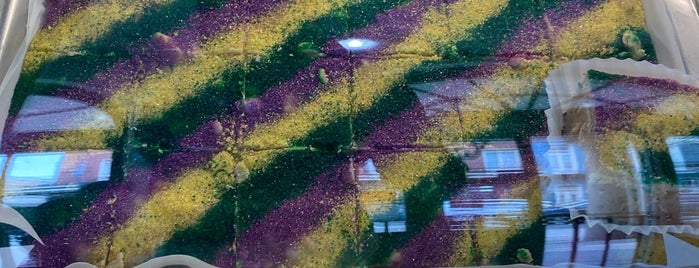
34 178
355 44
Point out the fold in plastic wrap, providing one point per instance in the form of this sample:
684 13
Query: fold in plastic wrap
673 26
566 85
570 91
19 22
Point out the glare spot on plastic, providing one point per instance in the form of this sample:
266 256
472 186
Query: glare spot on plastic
355 44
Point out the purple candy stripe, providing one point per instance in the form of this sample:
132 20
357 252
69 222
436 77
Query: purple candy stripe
271 103
270 238
407 124
400 130
158 52
163 51
435 243
56 9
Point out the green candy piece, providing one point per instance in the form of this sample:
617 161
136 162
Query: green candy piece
322 76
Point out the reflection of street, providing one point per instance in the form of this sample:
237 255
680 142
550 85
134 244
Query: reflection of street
559 246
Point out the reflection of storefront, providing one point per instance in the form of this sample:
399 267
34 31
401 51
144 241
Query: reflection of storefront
384 205
32 179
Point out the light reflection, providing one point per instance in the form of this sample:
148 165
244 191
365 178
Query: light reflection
34 178
357 44
367 171
455 95
45 113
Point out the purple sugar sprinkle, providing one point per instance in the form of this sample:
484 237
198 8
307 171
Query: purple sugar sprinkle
86 223
389 28
432 247
395 131
59 249
207 137
399 131
297 90
56 9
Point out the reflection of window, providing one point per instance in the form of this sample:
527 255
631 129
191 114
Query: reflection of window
557 156
44 113
389 227
387 217
569 194
3 158
501 160
562 160
496 212
367 171
104 170
691 155
684 152
33 178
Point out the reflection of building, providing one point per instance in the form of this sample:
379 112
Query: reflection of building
388 217
493 167
384 205
454 95
558 156
489 159
45 114
32 179
561 160
367 171
684 151
482 203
